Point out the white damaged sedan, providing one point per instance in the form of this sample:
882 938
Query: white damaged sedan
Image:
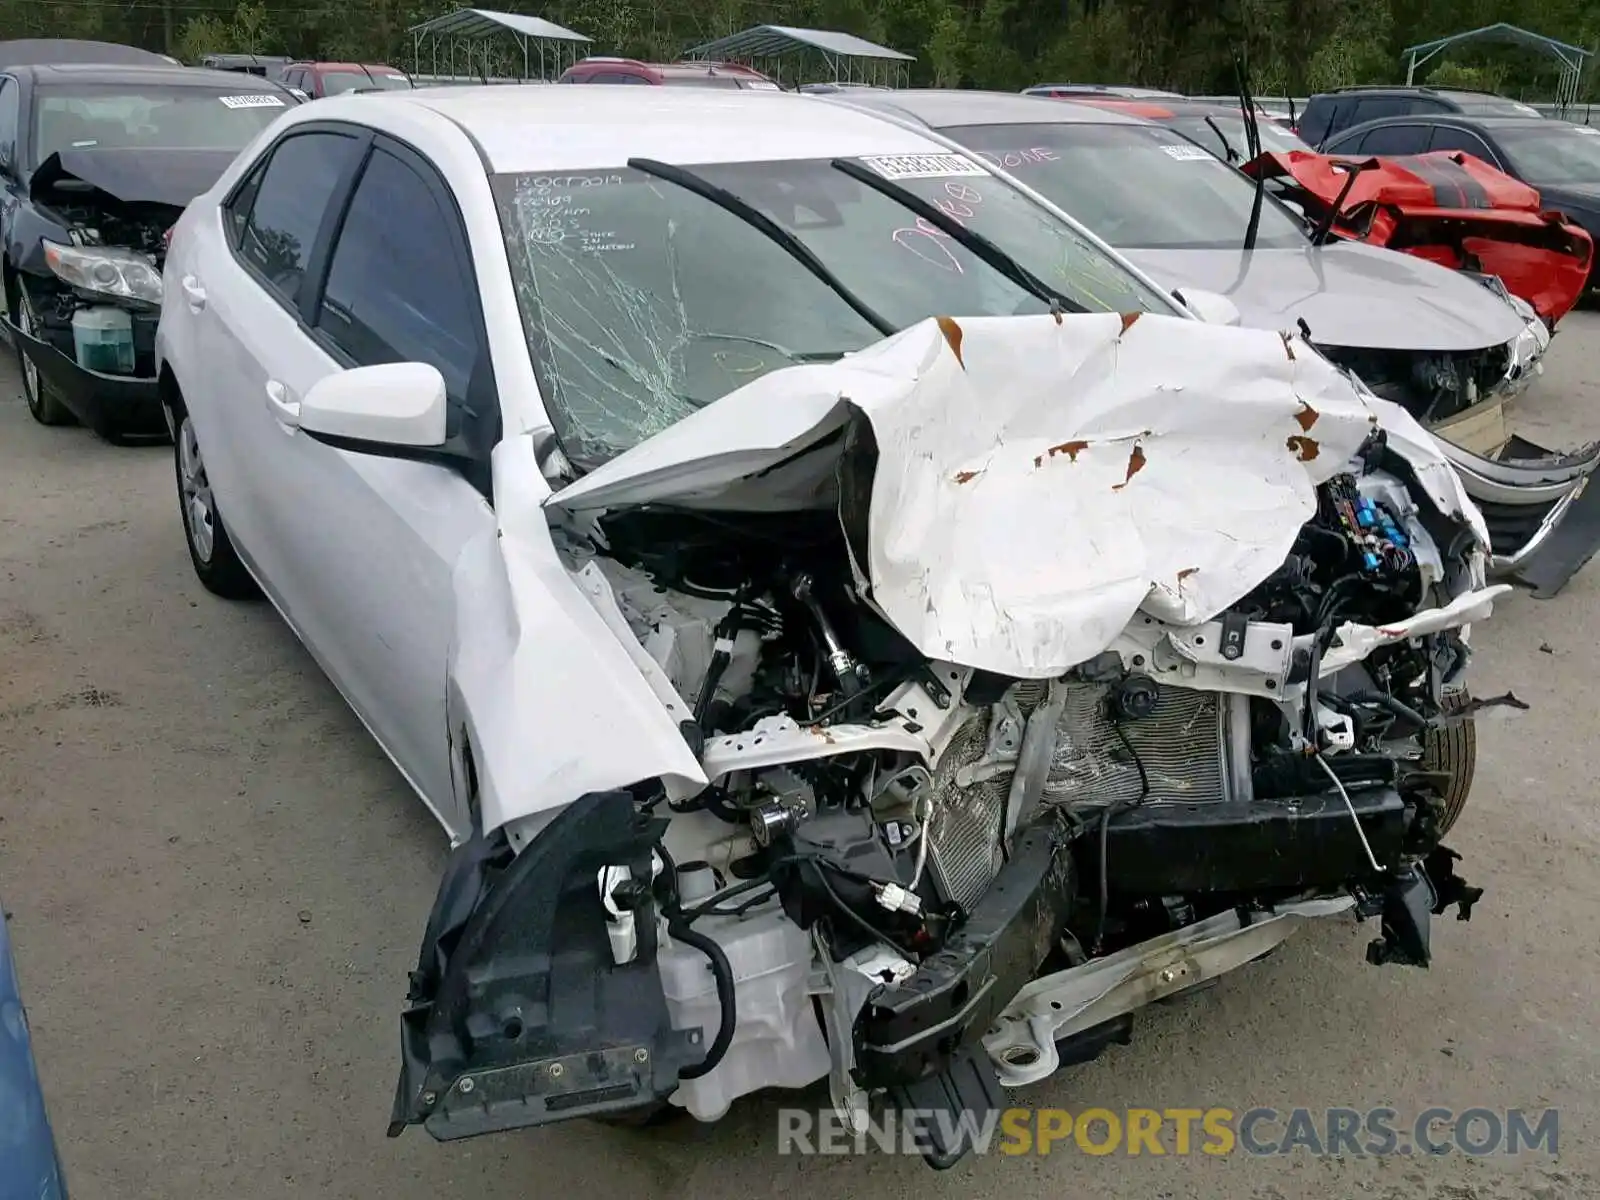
836 651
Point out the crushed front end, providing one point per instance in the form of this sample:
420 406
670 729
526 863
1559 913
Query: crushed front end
926 877
88 298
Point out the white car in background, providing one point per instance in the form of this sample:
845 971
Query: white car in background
788 561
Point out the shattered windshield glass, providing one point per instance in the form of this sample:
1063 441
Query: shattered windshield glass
1137 186
643 301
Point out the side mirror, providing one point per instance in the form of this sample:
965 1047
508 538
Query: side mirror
299 94
1211 307
399 405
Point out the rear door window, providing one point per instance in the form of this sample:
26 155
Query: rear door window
279 210
1316 122
1370 108
1396 139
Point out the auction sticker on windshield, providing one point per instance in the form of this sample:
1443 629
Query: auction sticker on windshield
256 100
922 166
1190 153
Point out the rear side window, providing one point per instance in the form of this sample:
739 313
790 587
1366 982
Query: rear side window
1396 139
397 289
1370 108
280 209
1316 122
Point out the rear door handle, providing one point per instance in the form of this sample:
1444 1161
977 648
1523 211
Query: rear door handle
284 408
193 292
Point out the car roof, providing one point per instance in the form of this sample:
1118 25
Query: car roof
556 128
348 66
25 52
1484 121
165 76
1105 89
945 108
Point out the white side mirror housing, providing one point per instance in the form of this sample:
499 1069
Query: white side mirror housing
395 404
1211 307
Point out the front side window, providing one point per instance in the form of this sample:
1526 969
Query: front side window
288 204
1448 137
1137 186
643 301
8 121
396 290
117 116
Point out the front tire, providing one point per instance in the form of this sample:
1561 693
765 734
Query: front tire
43 404
216 563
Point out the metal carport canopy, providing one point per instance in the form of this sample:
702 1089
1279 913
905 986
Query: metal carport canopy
768 40
470 27
481 23
1572 58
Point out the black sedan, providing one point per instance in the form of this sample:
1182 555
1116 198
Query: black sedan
1560 159
97 161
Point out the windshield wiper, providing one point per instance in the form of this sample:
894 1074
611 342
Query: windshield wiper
1252 140
979 245
1319 235
758 220
1227 146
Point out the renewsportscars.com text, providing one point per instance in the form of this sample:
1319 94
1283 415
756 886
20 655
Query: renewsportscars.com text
1344 1132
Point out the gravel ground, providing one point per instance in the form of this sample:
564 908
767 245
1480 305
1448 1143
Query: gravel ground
216 884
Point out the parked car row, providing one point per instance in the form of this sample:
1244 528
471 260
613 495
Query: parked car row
862 602
1438 341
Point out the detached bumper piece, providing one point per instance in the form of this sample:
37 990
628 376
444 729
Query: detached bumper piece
1540 506
518 1013
920 1038
1406 908
126 403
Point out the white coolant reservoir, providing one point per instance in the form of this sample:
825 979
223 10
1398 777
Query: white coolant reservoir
778 1042
102 339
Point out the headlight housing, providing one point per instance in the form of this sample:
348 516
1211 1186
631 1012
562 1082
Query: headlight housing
106 271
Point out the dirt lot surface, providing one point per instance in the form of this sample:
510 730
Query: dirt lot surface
216 883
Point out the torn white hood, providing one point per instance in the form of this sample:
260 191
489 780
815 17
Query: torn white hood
1040 481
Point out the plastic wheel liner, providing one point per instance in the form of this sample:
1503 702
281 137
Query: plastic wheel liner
517 979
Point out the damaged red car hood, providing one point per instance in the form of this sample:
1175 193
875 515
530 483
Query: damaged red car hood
1448 207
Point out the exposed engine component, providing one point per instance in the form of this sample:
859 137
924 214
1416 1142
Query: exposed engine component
141 228
1432 387
911 833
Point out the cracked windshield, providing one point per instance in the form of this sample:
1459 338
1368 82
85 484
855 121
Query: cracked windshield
643 300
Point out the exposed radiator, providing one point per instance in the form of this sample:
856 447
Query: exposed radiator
1182 745
967 821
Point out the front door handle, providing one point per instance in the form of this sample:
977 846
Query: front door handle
282 405
193 292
